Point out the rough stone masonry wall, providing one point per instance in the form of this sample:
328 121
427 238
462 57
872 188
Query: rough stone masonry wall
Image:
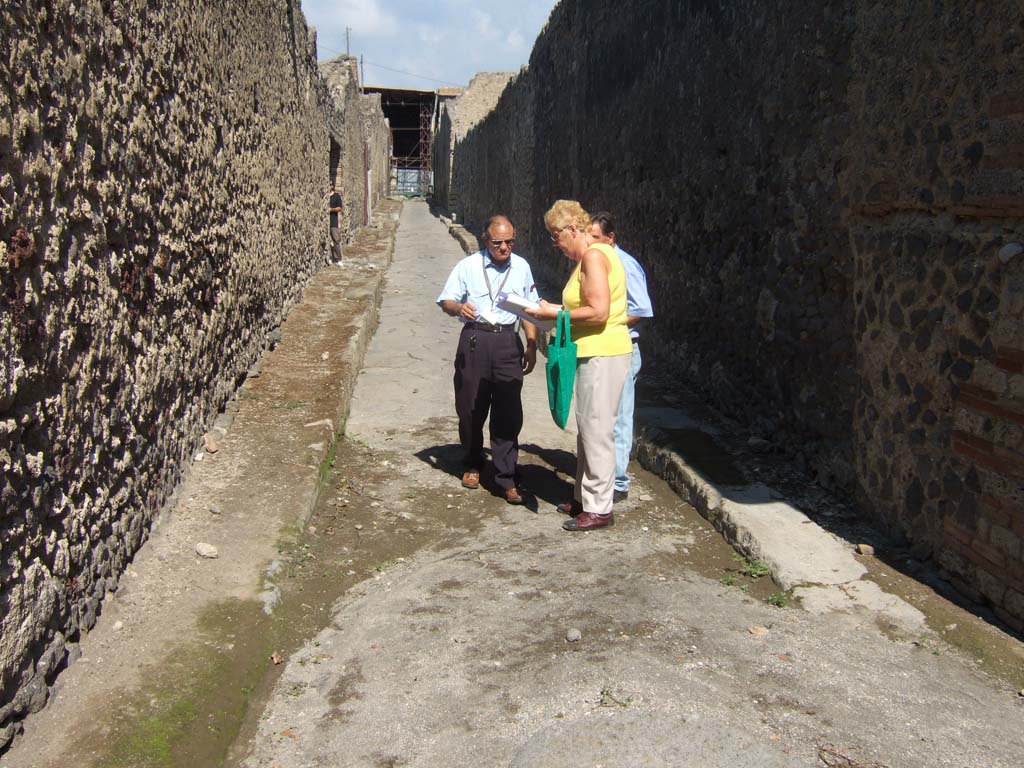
376 135
936 190
365 141
163 170
457 117
827 198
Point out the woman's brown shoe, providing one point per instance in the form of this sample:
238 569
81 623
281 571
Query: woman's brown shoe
588 522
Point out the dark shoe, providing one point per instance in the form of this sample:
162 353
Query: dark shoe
618 496
512 495
588 522
471 479
570 508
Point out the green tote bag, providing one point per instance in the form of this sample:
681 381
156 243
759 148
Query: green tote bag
561 370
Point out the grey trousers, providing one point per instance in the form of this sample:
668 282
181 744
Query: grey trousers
336 238
599 382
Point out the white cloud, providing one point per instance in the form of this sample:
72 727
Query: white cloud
484 24
365 17
447 40
430 34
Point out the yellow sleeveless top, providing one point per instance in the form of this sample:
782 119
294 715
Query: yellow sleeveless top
609 339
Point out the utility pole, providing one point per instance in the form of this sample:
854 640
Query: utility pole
362 68
347 31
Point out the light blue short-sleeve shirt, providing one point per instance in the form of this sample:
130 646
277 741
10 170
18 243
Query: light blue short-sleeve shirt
638 301
468 283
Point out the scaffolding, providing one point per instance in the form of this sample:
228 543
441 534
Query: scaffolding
413 174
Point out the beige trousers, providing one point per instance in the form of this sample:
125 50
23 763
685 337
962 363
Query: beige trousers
599 382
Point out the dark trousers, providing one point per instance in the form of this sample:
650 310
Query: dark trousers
489 378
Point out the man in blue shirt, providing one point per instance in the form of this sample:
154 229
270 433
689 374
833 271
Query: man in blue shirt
638 307
490 361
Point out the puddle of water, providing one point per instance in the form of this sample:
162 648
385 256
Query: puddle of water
703 454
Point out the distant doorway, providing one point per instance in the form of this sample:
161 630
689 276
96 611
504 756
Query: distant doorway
335 165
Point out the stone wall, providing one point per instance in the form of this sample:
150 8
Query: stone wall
935 185
828 200
457 117
376 134
163 170
365 142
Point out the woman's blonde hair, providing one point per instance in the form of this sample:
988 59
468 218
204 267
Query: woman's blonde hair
566 212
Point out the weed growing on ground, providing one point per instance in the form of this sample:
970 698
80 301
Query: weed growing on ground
729 580
755 569
778 599
608 699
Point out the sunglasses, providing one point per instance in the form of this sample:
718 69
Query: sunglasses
498 243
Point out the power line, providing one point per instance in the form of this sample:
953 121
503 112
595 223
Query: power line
411 74
389 69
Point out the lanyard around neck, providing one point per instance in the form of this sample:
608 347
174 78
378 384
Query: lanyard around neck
487 279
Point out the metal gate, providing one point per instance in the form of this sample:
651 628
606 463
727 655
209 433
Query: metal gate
411 182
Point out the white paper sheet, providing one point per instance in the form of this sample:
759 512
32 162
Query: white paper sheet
510 302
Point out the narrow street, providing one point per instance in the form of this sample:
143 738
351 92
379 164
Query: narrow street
364 610
470 632
233 532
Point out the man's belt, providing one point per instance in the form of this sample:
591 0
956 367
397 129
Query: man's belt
489 328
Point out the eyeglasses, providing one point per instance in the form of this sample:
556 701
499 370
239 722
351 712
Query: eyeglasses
498 243
557 233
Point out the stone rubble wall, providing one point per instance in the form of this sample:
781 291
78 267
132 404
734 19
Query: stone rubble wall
829 203
376 134
457 117
163 177
365 141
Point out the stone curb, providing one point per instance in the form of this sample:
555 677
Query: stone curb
470 242
325 420
803 558
755 522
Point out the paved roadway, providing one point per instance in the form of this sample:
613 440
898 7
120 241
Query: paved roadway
457 654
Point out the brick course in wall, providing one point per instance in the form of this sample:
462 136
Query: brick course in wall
828 201
163 178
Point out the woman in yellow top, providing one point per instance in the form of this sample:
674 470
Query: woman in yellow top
595 296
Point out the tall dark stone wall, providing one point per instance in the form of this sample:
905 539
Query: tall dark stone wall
936 191
827 199
163 172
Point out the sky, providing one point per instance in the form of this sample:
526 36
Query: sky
432 43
